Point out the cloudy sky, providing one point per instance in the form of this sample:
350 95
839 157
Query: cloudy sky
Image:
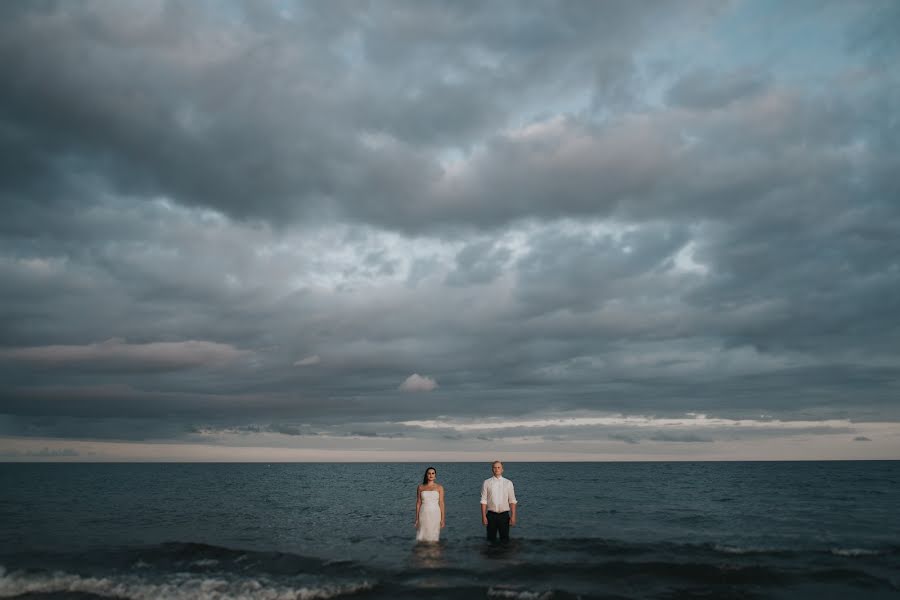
454 230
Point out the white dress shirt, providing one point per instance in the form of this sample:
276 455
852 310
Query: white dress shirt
498 493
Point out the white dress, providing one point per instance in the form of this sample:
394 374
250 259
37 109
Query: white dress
429 517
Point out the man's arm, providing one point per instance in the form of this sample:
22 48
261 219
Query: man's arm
512 504
484 503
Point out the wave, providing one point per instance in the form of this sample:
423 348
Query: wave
695 572
194 570
601 561
199 558
741 550
511 593
856 552
610 548
189 557
176 586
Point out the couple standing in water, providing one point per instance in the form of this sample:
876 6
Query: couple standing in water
498 506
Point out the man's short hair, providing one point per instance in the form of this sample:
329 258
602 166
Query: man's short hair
496 462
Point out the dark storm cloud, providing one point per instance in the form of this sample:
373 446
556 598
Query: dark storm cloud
577 273
479 262
706 90
260 219
116 355
322 107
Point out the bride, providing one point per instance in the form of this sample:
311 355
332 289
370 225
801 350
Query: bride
429 508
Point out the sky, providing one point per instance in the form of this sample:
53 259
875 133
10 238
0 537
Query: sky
446 231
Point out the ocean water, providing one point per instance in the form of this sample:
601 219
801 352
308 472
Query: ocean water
590 530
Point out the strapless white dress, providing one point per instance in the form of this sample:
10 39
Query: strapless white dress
429 517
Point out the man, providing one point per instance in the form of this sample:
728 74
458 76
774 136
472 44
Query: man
498 504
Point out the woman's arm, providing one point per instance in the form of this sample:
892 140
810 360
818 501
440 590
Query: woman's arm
441 502
418 504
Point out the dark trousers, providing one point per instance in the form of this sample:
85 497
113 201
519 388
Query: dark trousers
497 522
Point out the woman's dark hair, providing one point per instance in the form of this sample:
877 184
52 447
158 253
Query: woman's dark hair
425 476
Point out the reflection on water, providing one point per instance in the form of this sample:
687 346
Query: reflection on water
429 555
500 550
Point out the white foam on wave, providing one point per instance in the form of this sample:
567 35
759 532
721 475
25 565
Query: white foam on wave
205 562
741 550
514 594
176 587
854 552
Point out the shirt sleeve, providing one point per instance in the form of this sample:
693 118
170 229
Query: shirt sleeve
512 493
484 492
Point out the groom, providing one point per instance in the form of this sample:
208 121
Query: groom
498 504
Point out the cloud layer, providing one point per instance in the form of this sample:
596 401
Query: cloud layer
270 215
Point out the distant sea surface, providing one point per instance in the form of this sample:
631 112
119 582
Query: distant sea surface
591 530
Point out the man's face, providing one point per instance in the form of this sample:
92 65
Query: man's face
497 468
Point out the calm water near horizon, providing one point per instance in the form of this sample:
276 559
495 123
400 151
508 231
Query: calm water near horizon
590 530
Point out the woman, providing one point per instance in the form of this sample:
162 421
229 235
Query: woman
429 508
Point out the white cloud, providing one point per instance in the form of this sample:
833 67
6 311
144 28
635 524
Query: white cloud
114 351
418 383
308 361
247 445
690 421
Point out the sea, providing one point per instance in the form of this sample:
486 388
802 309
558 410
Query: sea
586 530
